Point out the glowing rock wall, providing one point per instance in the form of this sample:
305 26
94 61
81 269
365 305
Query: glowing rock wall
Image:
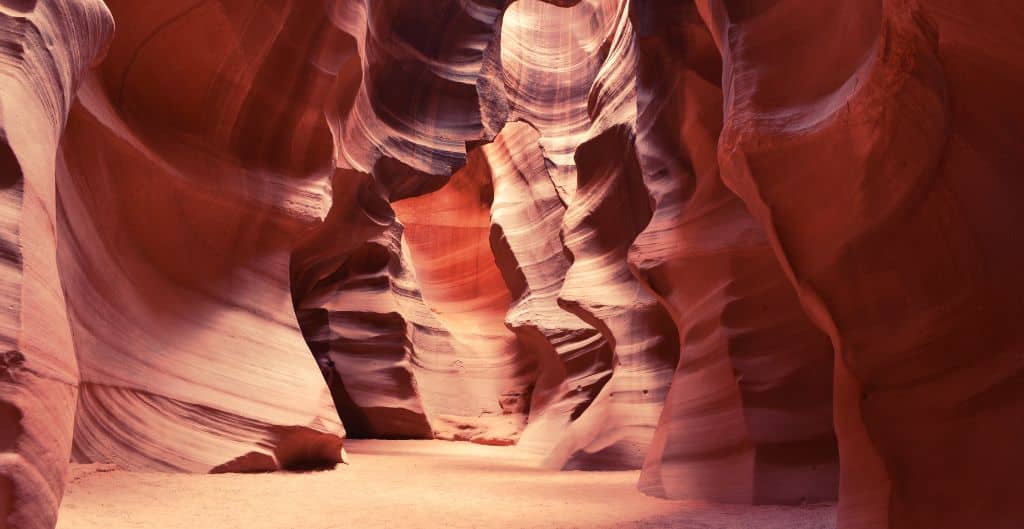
763 251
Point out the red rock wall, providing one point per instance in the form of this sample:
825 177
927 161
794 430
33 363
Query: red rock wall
735 244
574 359
476 388
45 48
350 317
178 212
748 417
886 183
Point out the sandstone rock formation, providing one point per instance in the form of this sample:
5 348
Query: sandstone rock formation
748 418
178 209
762 250
45 49
342 286
886 183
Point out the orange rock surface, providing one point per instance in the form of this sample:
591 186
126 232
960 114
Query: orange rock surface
761 251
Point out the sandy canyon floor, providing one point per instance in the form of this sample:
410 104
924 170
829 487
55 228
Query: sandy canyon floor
399 485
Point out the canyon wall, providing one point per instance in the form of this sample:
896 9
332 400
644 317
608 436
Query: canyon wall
45 50
178 208
762 251
887 183
748 417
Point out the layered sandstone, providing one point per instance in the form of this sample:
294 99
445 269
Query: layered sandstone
748 417
732 243
178 212
45 49
886 183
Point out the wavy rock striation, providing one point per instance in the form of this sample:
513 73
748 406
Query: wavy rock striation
732 243
900 251
349 313
481 381
45 47
569 74
749 417
574 359
178 212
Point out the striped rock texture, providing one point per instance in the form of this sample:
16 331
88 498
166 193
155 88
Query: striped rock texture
888 186
178 211
45 49
749 416
763 250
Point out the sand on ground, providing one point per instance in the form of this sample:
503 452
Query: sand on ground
403 485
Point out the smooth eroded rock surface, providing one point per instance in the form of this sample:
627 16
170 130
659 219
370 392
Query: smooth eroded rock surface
758 251
179 209
45 49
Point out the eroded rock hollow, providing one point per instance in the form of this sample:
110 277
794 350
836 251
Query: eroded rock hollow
764 251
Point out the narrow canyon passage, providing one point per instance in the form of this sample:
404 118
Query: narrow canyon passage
511 263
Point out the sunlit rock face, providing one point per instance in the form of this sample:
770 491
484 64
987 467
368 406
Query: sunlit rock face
752 423
763 251
349 311
45 49
197 153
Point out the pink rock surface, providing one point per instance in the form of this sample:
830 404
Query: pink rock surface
574 359
484 374
179 209
761 251
350 313
45 48
748 418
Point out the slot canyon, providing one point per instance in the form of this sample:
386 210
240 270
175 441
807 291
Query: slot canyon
690 264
